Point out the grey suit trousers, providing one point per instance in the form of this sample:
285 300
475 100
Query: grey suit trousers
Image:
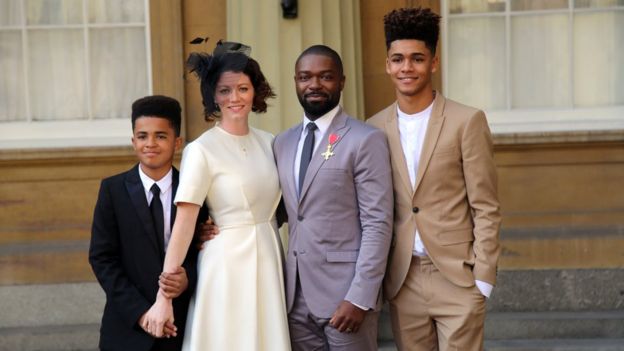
311 333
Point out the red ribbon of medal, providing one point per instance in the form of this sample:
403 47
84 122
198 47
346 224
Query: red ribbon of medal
333 138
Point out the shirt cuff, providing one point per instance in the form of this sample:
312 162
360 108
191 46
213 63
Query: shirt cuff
360 307
484 288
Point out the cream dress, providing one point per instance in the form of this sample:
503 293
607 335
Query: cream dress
239 302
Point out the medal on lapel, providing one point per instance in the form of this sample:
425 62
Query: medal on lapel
333 138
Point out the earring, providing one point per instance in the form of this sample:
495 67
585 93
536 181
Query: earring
216 106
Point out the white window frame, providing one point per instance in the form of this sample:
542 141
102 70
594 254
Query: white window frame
537 120
71 133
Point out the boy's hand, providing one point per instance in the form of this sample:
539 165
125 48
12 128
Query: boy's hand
206 231
173 284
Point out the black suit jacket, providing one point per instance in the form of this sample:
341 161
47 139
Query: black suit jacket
126 259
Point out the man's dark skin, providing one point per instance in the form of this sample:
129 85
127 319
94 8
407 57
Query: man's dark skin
319 82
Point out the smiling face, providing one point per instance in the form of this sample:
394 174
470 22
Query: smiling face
234 93
318 82
411 65
154 142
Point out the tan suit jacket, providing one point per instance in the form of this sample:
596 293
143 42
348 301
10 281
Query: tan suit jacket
454 205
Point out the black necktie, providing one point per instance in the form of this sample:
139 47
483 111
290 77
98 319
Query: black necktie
157 215
306 153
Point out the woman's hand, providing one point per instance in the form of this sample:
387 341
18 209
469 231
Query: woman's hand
160 314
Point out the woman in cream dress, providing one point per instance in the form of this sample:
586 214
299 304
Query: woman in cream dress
239 300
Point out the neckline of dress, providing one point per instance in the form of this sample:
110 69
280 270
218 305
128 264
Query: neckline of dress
218 126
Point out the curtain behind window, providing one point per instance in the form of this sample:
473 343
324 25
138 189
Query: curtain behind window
71 59
559 57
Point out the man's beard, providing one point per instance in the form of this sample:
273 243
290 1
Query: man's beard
316 109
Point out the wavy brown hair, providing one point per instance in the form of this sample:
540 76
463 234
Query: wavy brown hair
209 69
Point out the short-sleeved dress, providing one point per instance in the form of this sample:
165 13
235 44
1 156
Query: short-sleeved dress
239 301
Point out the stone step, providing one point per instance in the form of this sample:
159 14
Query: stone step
38 315
558 290
84 338
51 305
554 325
555 345
50 317
541 325
50 338
539 345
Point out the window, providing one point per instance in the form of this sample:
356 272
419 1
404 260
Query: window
70 70
537 64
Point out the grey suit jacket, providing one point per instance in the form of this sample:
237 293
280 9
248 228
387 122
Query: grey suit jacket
340 227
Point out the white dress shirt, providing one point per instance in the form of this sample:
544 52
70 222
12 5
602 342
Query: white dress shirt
412 129
165 185
322 123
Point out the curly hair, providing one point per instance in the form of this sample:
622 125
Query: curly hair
209 69
412 23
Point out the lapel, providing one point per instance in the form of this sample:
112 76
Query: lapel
139 202
339 127
288 157
396 150
431 137
174 187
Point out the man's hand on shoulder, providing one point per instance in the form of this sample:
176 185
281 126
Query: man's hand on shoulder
206 231
347 318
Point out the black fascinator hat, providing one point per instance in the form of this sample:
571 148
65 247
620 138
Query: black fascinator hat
228 47
227 56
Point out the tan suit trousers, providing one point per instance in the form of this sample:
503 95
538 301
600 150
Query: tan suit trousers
431 313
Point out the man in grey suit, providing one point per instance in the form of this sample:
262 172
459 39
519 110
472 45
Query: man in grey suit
337 188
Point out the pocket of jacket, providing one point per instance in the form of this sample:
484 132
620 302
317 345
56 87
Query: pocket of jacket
447 150
457 236
342 256
332 179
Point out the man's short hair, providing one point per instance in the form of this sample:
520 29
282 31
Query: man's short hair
323 50
412 23
158 106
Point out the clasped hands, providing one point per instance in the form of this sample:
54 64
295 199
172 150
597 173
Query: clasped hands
158 320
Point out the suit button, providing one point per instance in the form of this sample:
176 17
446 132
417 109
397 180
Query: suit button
300 218
415 209
295 253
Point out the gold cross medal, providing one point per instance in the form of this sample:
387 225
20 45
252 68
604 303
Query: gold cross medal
333 138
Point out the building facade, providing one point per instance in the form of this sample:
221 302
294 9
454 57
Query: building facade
549 74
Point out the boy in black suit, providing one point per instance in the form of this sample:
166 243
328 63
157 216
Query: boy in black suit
132 223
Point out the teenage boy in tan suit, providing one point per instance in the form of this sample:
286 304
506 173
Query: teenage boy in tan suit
445 249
